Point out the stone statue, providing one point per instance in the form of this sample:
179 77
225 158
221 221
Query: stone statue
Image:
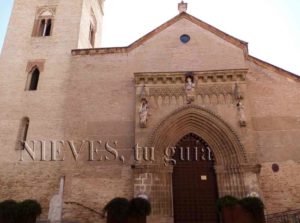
56 205
143 112
190 90
237 92
241 111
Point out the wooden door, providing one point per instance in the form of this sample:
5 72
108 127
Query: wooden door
194 182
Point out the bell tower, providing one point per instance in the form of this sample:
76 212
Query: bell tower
36 59
35 66
57 25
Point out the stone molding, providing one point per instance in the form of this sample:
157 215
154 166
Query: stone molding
197 118
35 63
204 94
210 87
41 9
201 77
201 90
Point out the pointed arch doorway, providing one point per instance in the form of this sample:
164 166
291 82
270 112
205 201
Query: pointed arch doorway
230 166
194 182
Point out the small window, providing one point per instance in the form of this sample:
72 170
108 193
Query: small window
185 38
33 80
23 131
45 27
92 35
43 24
92 29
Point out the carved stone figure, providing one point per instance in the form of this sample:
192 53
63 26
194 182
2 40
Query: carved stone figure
143 112
237 92
56 205
190 90
241 111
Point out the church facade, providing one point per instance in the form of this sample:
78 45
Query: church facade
90 124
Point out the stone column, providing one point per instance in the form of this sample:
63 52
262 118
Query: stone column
237 180
230 180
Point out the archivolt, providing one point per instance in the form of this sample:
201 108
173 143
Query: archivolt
224 142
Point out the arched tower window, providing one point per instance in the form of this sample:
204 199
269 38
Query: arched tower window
45 27
92 35
33 80
44 23
23 131
93 29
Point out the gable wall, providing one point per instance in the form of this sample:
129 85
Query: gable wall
205 51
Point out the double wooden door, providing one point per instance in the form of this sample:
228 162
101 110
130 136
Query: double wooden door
194 182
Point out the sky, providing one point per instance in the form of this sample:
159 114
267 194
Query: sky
271 27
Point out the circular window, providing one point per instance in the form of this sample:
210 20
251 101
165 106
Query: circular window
185 38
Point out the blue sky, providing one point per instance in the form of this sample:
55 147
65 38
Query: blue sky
271 27
5 10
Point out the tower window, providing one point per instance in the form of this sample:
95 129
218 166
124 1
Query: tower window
32 80
23 131
44 22
92 35
92 29
45 27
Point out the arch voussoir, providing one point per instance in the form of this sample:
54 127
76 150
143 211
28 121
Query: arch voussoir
217 133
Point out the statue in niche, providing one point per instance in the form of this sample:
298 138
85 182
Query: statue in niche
190 88
237 92
143 113
242 117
